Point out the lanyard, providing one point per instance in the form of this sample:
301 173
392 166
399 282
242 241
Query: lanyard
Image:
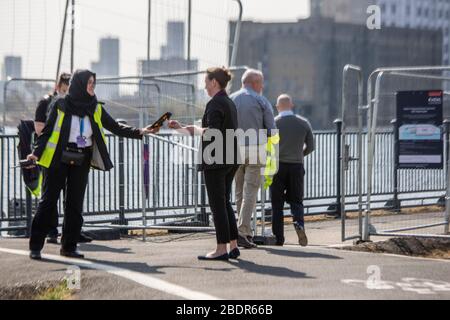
81 126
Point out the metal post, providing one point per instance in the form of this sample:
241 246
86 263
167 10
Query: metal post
340 174
395 205
72 40
141 160
447 178
122 220
144 214
446 133
237 33
191 111
156 153
360 151
155 164
193 166
343 150
446 125
372 125
189 32
149 17
61 43
2 163
5 101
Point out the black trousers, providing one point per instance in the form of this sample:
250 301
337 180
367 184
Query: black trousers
75 179
53 233
218 185
287 186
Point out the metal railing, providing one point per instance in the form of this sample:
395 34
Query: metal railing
173 195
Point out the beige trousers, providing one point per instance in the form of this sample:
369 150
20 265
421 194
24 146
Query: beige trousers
248 180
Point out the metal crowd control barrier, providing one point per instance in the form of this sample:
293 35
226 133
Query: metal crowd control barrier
373 107
114 197
345 157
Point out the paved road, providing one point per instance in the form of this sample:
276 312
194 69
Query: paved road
161 269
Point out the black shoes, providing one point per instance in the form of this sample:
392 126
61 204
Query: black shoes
234 254
279 242
71 254
245 243
302 238
219 258
84 238
35 255
52 240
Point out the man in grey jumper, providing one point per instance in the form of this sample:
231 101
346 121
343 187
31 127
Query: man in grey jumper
256 119
296 142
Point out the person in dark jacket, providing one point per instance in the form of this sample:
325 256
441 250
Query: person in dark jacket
218 168
296 142
71 142
43 107
41 114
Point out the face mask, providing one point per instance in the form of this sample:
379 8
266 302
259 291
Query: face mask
60 95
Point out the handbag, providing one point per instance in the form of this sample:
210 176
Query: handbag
73 158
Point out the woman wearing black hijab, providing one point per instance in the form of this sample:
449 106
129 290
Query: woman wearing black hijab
71 142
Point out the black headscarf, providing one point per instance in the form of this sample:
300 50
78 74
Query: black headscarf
78 101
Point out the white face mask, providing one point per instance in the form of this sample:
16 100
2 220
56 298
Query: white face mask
60 95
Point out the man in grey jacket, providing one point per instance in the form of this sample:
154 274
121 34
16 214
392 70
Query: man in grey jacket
256 119
296 142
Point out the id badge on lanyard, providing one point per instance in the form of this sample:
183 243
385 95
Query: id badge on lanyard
81 140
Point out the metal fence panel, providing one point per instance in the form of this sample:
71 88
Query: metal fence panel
171 193
400 181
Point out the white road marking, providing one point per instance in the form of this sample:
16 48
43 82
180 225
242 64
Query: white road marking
140 278
419 286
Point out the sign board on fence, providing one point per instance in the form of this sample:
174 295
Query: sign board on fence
419 125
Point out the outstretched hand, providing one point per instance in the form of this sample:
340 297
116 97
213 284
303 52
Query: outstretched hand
174 124
147 130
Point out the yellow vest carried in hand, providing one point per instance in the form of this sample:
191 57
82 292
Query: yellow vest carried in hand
271 160
37 191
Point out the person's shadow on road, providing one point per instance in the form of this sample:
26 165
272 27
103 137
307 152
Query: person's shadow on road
299 254
283 272
100 248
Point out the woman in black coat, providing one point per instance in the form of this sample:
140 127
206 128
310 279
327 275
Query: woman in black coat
72 142
220 166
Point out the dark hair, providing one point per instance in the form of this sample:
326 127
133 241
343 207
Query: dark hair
64 78
222 75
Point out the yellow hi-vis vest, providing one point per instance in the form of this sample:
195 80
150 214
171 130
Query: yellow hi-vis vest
37 191
50 148
271 160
